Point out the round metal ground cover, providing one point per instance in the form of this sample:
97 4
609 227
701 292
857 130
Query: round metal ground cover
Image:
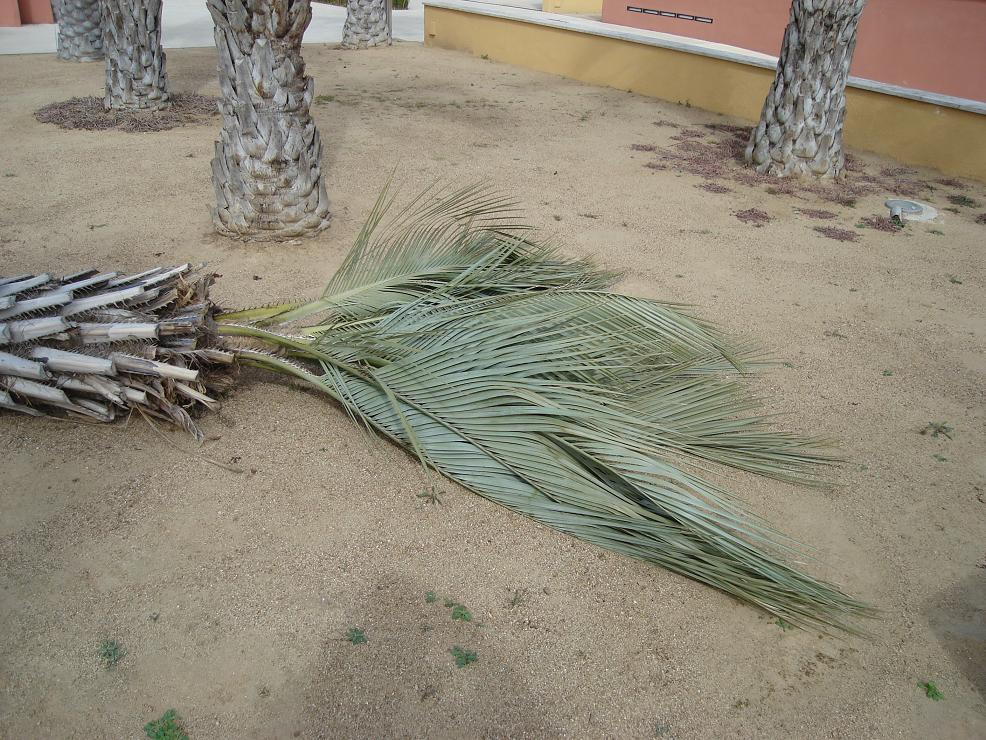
913 210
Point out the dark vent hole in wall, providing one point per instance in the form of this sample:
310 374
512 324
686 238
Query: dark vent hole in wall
669 14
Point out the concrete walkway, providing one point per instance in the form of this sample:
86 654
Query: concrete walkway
187 24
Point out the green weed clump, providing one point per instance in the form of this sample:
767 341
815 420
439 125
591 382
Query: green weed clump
462 656
356 636
110 653
168 727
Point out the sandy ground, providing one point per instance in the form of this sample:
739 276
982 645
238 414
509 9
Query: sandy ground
232 593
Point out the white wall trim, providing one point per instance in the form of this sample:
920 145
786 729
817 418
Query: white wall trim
687 45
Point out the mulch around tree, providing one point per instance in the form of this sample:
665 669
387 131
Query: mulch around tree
88 114
840 235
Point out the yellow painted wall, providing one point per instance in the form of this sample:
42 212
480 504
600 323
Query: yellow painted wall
579 7
951 140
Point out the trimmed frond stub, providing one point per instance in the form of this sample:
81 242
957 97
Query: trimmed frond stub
98 345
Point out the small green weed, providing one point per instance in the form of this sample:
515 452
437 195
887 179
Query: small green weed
167 728
963 200
463 657
954 280
449 603
931 691
10 174
486 57
460 613
430 597
887 373
784 624
323 99
938 429
517 599
936 232
110 653
431 496
940 458
356 636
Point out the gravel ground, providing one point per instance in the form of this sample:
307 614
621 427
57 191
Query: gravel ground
232 593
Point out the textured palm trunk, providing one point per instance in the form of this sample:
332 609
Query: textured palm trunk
267 169
80 38
135 62
367 24
800 129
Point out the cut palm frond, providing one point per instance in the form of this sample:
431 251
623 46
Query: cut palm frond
508 368
511 371
463 245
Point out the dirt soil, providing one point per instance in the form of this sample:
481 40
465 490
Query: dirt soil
232 593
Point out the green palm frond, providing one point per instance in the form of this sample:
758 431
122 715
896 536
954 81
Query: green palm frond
508 369
464 244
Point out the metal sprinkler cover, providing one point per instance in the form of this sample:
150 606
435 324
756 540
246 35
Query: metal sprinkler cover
912 210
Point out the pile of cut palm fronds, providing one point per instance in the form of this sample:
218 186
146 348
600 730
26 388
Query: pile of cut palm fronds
511 370
96 344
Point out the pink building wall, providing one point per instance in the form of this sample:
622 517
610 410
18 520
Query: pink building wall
22 12
934 45
35 11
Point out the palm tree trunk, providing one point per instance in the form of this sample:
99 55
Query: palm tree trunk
79 36
267 169
800 129
135 62
367 24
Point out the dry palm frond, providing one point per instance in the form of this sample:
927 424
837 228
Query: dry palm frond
96 345
511 370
